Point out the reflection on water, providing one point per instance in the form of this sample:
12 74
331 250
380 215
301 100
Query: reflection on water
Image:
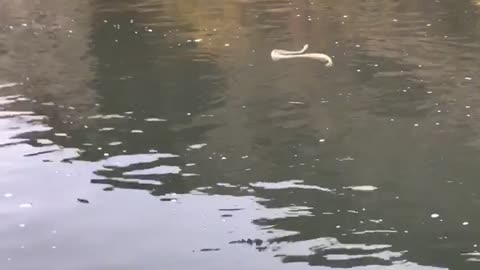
130 130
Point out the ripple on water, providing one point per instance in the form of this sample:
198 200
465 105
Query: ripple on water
374 231
288 185
115 143
107 116
382 255
190 174
127 160
44 141
197 146
25 205
329 243
227 185
150 182
106 129
16 113
159 170
334 251
6 85
361 188
286 212
155 120
473 256
4 100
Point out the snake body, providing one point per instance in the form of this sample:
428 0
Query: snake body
277 55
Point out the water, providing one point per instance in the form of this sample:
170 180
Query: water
160 135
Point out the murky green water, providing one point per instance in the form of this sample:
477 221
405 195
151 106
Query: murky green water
161 135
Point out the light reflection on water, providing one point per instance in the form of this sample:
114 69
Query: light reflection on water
161 134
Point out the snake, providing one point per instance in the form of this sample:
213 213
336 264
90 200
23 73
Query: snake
277 55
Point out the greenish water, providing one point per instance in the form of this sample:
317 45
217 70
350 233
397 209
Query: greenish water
161 135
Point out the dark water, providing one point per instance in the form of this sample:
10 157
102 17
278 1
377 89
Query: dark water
160 135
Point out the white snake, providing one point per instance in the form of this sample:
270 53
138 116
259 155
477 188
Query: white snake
284 54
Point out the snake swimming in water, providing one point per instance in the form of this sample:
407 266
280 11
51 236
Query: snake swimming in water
277 55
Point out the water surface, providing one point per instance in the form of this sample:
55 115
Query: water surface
160 135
